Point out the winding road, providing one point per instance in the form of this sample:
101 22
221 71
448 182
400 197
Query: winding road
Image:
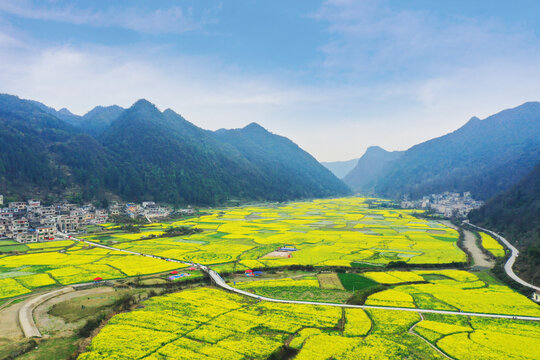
511 260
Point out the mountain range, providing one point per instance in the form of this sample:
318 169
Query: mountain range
483 156
143 153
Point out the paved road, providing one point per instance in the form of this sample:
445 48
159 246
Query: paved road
511 260
218 280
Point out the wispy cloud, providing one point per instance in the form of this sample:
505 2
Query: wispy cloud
371 39
175 19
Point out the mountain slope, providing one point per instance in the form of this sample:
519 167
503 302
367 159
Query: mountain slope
169 158
515 213
93 122
146 154
484 157
98 119
369 168
288 170
36 148
340 168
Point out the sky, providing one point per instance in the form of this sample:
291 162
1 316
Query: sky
334 76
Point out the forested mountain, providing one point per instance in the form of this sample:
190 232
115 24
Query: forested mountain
369 167
93 122
142 153
516 214
287 170
340 168
98 119
484 157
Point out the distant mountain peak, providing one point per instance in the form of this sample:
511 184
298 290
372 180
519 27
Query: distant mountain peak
144 104
255 127
375 149
65 111
170 111
473 120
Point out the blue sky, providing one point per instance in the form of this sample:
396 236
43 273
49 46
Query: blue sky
334 76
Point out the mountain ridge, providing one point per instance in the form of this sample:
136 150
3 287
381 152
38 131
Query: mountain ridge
143 153
483 156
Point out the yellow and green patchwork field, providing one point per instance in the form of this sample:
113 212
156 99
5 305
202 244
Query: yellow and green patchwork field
209 323
336 232
19 274
492 245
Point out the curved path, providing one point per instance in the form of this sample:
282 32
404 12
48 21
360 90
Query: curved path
26 312
511 260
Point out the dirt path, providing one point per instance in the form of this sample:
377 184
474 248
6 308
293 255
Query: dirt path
9 323
469 242
412 332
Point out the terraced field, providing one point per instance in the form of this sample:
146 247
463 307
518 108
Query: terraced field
491 245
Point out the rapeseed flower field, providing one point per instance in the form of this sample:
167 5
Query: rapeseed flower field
349 233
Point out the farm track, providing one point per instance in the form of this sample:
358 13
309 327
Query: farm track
480 260
412 332
218 280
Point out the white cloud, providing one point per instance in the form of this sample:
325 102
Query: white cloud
175 19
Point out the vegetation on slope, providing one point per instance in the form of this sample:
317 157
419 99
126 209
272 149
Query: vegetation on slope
142 153
484 157
516 215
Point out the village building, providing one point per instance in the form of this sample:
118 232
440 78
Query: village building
67 224
26 237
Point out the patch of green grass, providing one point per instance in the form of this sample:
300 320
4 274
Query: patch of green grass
305 293
358 264
52 349
354 282
486 277
103 238
82 307
430 277
15 247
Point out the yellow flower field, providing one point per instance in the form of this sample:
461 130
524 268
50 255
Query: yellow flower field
210 322
10 288
491 245
335 232
37 280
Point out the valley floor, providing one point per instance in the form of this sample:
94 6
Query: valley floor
352 242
